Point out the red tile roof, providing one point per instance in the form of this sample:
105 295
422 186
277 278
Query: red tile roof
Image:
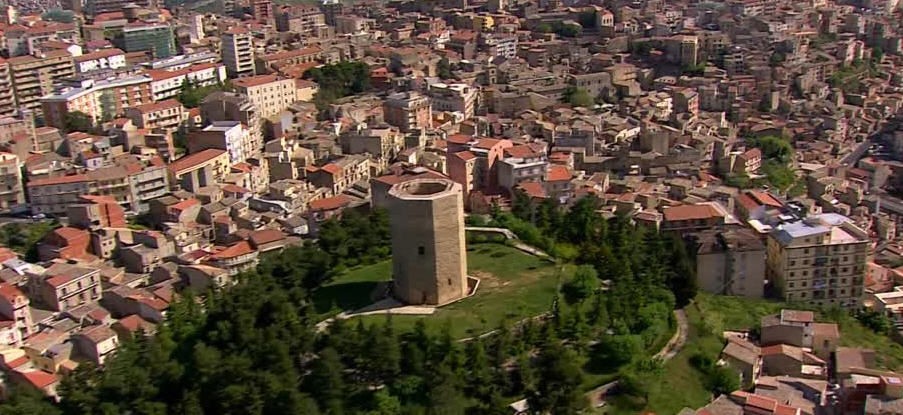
520 151
330 203
236 250
134 322
100 54
252 81
9 292
465 155
687 212
39 378
266 236
195 159
332 169
49 181
460 139
558 173
185 204
533 189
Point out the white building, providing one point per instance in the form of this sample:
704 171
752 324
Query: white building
101 59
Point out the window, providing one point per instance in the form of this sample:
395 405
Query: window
421 250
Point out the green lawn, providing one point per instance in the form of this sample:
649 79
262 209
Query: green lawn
513 286
352 289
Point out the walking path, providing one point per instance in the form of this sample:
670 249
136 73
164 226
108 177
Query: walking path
674 346
517 244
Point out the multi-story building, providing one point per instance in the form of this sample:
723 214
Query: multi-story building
453 97
270 94
168 83
14 306
341 174
155 38
131 185
33 76
820 259
407 111
731 261
230 106
28 40
521 164
102 100
95 7
169 114
64 286
500 45
200 169
235 259
101 59
303 20
238 51
232 136
7 97
282 59
12 195
263 11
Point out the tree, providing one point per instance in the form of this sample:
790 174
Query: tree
27 401
578 97
584 283
568 29
78 121
558 382
774 148
325 380
619 349
876 321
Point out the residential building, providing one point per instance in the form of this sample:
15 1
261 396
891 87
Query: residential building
304 20
730 261
277 60
200 169
96 211
64 286
408 111
799 329
168 83
14 307
230 106
820 259
155 38
12 193
33 76
341 174
169 114
263 11
101 100
231 136
101 59
459 98
95 7
8 103
131 185
96 343
237 48
270 94
235 258
521 164
692 217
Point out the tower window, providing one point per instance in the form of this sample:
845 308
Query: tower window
421 250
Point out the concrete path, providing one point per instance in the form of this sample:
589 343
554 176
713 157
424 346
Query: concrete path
512 236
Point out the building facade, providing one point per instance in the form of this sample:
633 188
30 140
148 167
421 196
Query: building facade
238 52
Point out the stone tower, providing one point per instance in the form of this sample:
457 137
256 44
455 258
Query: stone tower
429 263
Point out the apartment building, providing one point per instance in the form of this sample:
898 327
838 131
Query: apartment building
730 262
95 7
232 136
304 20
101 59
270 94
131 185
169 114
155 38
65 286
820 259
407 111
263 11
198 170
12 194
341 174
28 40
167 83
14 306
8 103
237 48
459 98
104 99
33 76
273 61
230 106
521 164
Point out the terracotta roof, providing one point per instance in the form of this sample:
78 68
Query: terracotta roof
266 236
288 54
252 81
100 54
185 204
134 322
330 203
332 169
195 159
751 154
465 155
159 106
520 151
558 173
49 181
237 30
69 233
687 212
460 139
533 189
39 378
487 143
231 188
10 292
238 249
797 316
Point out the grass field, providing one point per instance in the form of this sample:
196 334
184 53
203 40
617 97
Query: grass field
513 286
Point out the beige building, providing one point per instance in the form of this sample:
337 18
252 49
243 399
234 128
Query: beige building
200 169
100 100
33 77
64 286
12 194
169 114
820 260
270 94
238 51
429 262
407 111
731 262
7 98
